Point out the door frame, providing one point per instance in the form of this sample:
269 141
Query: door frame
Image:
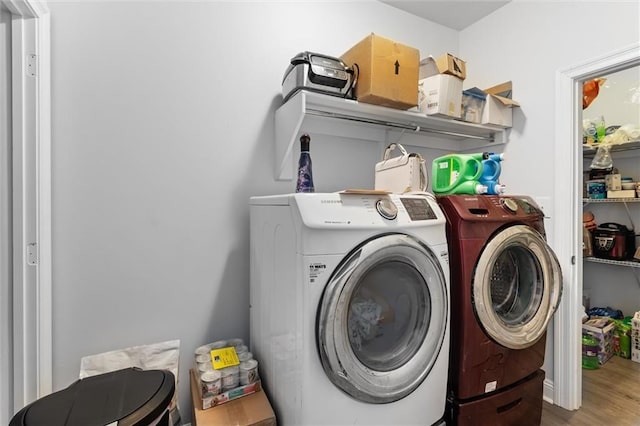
567 349
31 199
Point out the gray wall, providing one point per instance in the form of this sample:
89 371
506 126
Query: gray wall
162 130
163 127
614 100
529 42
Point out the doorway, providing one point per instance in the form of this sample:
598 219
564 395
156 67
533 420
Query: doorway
567 389
6 259
25 206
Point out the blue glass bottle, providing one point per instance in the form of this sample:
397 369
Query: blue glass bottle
305 175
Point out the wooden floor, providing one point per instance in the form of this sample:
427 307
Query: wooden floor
610 396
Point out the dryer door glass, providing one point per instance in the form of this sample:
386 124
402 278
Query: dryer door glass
382 319
516 287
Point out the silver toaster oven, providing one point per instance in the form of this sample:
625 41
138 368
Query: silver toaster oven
317 73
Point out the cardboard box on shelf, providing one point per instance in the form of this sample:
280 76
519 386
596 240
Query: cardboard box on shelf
623 193
492 106
498 109
438 94
449 64
473 104
387 72
613 182
602 329
252 410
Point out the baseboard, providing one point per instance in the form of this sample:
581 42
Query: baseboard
547 392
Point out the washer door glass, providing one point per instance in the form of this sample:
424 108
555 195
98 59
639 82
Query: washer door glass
516 287
382 319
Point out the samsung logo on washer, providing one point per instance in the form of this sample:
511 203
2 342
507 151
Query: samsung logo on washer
331 201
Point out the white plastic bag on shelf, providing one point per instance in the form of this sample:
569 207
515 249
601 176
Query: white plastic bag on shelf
623 134
602 159
157 356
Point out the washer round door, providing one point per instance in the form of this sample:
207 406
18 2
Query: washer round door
516 287
382 319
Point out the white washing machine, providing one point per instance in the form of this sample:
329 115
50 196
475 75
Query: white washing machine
350 307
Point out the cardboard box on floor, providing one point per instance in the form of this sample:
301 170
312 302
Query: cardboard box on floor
387 72
250 410
601 328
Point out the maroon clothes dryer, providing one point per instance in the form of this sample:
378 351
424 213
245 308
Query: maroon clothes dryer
505 287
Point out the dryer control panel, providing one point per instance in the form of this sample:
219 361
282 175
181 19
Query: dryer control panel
493 207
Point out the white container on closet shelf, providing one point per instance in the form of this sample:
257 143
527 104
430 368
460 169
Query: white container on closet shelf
635 337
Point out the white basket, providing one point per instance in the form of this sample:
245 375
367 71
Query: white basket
635 337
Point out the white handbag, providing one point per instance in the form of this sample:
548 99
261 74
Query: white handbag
401 174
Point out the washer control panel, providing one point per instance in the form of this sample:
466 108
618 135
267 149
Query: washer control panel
418 208
360 209
386 208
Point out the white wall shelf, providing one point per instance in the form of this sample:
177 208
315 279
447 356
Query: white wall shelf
308 112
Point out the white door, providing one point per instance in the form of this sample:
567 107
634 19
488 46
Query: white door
6 312
25 206
382 319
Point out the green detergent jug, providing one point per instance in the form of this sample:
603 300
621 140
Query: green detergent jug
468 187
458 174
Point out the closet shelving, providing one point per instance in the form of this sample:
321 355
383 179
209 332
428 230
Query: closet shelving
316 113
629 263
586 201
631 149
589 151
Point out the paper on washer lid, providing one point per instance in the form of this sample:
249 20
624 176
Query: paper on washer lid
365 191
